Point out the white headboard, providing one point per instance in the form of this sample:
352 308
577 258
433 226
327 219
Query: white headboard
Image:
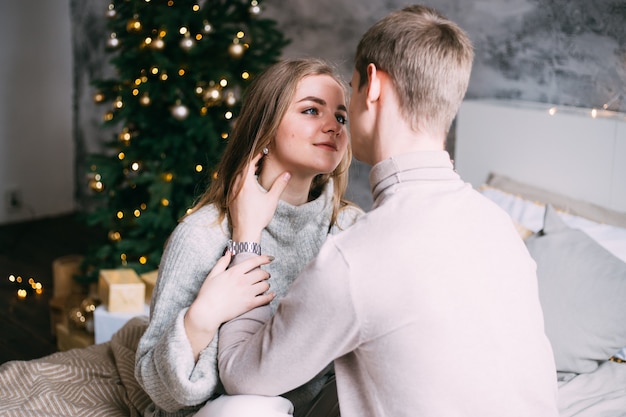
579 153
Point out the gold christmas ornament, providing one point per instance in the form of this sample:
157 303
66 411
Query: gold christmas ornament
212 95
187 43
144 100
114 236
236 49
207 28
98 97
180 111
231 100
133 25
158 43
96 185
254 7
111 13
112 42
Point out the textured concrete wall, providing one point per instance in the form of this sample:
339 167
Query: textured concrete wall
570 52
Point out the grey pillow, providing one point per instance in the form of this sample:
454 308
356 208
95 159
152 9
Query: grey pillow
582 290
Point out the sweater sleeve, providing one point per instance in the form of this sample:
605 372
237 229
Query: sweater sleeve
165 365
298 341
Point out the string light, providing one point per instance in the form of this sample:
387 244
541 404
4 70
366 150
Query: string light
26 287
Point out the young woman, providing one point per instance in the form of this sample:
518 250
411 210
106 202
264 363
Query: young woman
294 115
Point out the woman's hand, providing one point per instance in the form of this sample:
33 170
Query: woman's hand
253 208
224 295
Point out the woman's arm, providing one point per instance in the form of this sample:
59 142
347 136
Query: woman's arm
222 298
168 368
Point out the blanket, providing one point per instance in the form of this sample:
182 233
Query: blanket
94 381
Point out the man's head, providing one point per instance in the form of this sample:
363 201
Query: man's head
429 60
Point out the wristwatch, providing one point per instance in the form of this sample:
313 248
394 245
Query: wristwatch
238 247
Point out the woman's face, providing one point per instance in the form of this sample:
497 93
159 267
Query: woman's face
312 137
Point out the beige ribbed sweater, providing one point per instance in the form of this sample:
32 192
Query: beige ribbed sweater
428 305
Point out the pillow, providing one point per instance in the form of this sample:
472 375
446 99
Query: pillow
582 290
526 206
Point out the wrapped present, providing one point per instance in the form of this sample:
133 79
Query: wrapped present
63 271
149 278
121 290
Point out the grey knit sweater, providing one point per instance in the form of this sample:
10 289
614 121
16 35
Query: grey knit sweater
165 365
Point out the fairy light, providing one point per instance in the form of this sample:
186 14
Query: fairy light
223 82
31 286
245 75
552 111
143 260
199 168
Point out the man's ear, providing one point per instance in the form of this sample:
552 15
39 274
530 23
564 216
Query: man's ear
373 83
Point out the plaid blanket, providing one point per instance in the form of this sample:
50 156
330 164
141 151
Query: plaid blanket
94 381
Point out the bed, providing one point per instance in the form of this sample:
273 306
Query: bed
561 175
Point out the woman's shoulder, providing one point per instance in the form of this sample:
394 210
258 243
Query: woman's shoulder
203 222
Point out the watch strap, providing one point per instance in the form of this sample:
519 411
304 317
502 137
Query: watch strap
239 247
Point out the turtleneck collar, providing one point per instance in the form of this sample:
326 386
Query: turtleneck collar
294 218
415 166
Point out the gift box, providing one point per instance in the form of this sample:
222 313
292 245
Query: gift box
149 278
121 290
64 269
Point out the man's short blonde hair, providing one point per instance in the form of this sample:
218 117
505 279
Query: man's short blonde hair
429 59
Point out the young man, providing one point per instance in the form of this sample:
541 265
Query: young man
428 305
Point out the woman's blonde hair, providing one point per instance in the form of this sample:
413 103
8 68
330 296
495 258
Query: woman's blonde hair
265 103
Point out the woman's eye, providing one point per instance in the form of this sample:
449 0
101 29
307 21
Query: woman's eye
312 110
342 119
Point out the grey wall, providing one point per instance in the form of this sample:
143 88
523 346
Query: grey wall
36 144
568 52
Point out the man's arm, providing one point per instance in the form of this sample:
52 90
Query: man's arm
314 324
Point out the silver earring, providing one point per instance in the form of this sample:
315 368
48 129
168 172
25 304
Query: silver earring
265 151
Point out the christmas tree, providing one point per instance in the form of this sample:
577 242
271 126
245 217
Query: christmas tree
181 68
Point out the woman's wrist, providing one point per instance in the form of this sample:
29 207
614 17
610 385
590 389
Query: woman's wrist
243 236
